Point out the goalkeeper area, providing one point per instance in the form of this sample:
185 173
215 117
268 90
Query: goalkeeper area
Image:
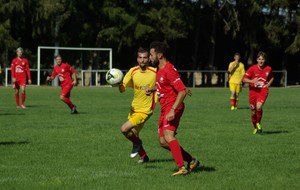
90 64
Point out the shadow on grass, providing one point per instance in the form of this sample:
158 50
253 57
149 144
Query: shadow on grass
273 132
12 114
205 169
9 143
160 160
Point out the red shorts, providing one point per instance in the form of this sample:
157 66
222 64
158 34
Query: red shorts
258 95
66 90
163 124
19 82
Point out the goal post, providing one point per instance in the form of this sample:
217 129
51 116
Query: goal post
56 50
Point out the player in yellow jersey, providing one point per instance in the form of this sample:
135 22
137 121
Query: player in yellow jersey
140 78
236 71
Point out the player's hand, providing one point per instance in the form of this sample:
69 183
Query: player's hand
74 82
29 82
48 78
188 92
14 80
148 91
254 81
171 115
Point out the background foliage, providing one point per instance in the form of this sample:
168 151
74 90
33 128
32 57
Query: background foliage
202 34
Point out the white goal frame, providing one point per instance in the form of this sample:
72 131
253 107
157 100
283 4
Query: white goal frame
67 48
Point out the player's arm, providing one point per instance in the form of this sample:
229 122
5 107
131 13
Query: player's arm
28 73
179 100
13 72
149 91
232 67
74 78
269 83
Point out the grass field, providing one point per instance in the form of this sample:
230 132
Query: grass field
45 147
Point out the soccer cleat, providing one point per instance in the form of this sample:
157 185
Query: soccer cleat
143 160
135 149
193 165
254 131
235 108
18 106
181 171
73 110
23 106
232 108
259 129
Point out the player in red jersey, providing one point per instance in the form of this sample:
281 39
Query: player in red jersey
171 92
19 70
64 72
260 78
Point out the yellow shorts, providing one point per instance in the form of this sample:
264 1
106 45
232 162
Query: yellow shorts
138 120
235 87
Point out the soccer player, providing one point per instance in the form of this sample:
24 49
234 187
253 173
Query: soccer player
64 72
19 71
139 78
171 92
236 71
260 78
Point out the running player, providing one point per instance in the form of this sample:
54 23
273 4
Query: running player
19 70
260 78
171 92
64 72
236 71
139 78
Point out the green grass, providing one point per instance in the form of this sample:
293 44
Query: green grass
45 147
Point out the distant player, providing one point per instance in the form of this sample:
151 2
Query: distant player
171 92
20 72
64 72
236 71
260 78
139 78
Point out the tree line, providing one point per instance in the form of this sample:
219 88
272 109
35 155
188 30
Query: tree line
202 34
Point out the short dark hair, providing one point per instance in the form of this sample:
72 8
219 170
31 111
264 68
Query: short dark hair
263 54
57 56
238 54
142 50
160 47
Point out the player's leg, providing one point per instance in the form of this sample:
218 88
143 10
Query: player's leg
131 130
232 95
17 88
65 97
23 96
237 93
252 102
262 97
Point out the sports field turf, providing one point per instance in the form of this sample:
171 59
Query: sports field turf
45 147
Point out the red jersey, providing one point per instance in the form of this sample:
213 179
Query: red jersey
19 68
168 84
64 72
264 76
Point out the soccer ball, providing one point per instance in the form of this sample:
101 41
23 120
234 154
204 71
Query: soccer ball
114 76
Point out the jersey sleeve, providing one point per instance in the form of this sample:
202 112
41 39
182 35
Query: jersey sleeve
270 76
28 70
127 80
54 73
175 80
13 69
72 70
249 73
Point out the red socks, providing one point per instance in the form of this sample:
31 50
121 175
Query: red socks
232 102
254 120
23 98
259 115
68 102
176 152
17 99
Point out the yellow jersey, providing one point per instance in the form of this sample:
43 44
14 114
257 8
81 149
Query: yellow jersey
139 80
237 73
